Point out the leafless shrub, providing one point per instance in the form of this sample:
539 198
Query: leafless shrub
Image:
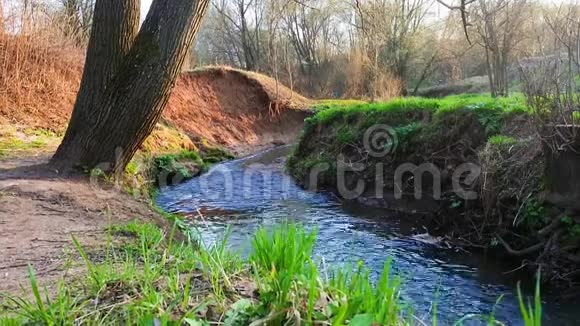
554 105
40 65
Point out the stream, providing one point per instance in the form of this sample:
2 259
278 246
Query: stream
252 192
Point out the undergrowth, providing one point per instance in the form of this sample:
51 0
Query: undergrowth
152 279
186 164
147 172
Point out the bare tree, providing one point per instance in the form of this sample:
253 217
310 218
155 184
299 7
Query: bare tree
241 23
564 23
386 30
498 26
78 17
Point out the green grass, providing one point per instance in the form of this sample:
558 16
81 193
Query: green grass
327 104
13 145
14 142
400 106
502 140
153 279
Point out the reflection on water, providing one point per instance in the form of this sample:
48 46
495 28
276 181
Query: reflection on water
254 192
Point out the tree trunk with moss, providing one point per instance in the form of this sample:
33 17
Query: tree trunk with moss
127 80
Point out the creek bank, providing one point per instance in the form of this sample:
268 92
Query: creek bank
475 163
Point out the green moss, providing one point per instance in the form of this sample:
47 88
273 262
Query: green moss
186 164
502 140
217 154
345 135
183 163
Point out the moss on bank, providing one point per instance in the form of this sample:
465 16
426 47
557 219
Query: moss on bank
440 143
407 123
149 171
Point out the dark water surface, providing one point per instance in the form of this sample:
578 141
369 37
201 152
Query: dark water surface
253 192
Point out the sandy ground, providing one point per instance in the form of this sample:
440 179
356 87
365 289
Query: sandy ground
40 212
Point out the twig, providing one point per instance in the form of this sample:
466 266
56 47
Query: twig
516 269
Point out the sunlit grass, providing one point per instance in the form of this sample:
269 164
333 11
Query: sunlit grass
14 142
155 280
341 108
333 103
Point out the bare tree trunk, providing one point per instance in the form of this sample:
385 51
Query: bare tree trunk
131 94
113 35
492 88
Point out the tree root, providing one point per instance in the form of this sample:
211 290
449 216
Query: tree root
522 252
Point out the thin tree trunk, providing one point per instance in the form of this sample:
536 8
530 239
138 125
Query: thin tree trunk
424 74
490 73
134 98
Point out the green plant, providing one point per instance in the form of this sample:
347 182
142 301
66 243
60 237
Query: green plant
534 214
219 264
355 298
502 140
405 133
456 203
58 310
531 313
280 259
286 248
345 136
573 227
97 173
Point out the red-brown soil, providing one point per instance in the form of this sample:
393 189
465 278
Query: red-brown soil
236 109
239 110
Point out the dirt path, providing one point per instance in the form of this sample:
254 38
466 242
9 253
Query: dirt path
40 212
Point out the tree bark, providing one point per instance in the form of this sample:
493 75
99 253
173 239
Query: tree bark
127 80
116 23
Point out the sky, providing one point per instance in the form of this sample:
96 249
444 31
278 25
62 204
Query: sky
145 4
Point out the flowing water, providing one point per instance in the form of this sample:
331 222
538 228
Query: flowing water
253 192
